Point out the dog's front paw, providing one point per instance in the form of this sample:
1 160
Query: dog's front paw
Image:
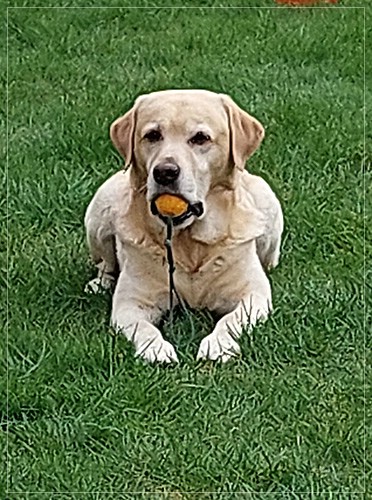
219 346
157 350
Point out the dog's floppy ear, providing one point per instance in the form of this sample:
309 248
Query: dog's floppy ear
122 133
246 133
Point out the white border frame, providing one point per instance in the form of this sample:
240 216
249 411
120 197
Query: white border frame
360 493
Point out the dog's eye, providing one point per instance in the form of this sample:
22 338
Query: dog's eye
153 136
200 138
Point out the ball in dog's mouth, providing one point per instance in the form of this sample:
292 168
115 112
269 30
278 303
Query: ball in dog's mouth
170 205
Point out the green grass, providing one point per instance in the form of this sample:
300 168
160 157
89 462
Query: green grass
86 416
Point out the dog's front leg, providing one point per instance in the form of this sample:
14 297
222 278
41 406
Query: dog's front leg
133 313
222 343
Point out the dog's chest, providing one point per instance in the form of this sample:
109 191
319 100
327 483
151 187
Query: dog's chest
207 275
191 256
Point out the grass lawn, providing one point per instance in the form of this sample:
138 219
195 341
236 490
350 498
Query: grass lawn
84 415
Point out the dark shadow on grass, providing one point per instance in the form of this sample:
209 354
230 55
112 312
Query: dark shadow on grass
186 330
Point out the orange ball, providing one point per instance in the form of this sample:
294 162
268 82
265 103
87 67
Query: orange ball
169 205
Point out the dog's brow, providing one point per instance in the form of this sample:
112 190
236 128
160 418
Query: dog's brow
201 127
151 126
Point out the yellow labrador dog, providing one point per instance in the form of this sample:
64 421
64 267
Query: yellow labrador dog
192 143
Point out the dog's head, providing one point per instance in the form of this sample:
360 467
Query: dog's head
185 142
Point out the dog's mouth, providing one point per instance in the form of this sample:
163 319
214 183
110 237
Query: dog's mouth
193 209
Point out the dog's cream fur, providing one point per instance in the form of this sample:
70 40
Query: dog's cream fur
220 257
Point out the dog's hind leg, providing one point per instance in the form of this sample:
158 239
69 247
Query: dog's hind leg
268 245
268 250
102 247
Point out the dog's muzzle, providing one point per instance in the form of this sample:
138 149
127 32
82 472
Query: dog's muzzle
195 209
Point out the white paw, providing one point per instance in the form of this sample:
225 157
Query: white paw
157 350
218 347
99 285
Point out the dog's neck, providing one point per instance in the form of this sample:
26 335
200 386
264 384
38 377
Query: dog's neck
229 216
230 220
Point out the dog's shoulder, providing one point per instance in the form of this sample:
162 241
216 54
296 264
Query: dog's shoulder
232 216
263 197
110 199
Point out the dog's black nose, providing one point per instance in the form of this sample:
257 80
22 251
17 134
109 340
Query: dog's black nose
166 173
